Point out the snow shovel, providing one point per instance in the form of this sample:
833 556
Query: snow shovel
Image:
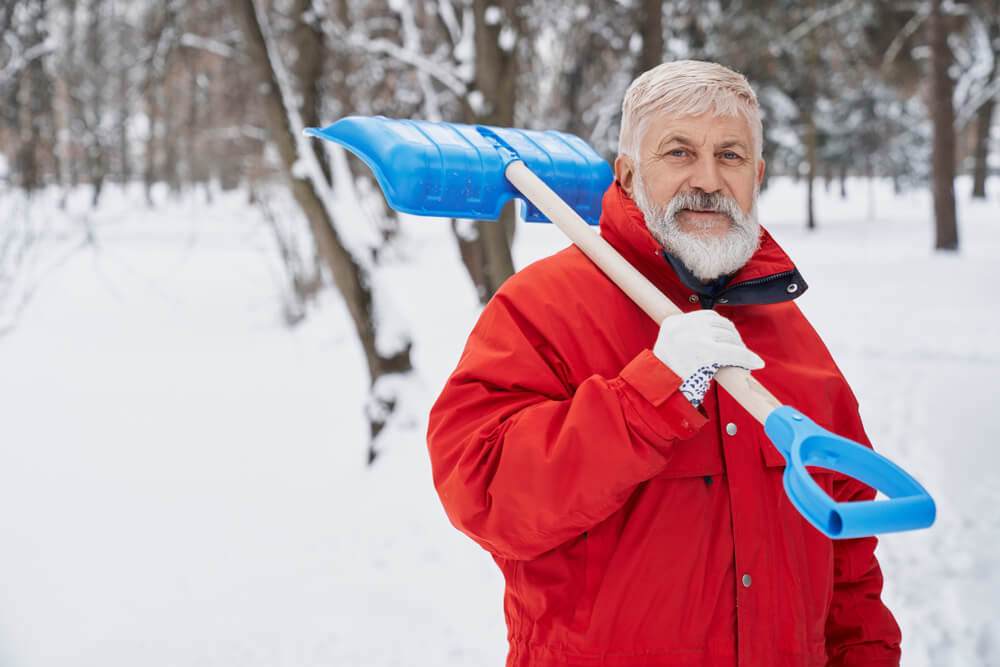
471 171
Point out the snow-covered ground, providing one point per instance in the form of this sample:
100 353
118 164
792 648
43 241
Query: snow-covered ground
183 479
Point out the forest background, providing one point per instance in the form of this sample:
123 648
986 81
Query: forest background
193 92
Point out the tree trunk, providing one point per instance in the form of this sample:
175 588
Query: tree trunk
307 71
870 174
651 28
811 178
32 114
487 254
984 122
943 115
472 252
573 85
30 148
984 119
173 128
97 170
92 107
124 114
149 159
194 168
350 277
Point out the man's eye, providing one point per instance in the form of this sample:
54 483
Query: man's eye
729 155
677 152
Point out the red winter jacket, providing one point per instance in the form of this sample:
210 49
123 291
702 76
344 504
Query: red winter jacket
630 528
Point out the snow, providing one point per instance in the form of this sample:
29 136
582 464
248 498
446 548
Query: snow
477 101
507 39
635 43
465 49
300 169
493 15
392 334
183 479
194 41
467 230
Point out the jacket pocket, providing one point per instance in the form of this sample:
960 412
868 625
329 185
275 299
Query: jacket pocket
600 543
597 550
700 456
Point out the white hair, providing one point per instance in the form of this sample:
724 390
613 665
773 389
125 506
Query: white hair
687 88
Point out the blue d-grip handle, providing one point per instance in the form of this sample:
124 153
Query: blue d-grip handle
803 443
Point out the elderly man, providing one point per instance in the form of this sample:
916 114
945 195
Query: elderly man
635 509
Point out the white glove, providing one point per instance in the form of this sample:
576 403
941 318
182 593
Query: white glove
695 345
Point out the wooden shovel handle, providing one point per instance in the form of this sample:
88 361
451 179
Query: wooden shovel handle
740 384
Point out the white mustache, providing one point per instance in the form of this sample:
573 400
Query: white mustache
698 200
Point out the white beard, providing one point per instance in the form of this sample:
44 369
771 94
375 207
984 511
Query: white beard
707 257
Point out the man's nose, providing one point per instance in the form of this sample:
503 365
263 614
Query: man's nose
705 175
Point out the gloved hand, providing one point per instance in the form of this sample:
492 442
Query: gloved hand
695 345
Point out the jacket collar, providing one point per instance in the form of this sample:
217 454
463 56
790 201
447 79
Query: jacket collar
769 276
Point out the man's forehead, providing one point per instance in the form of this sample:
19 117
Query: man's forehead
706 128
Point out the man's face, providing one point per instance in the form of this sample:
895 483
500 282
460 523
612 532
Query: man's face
707 153
696 185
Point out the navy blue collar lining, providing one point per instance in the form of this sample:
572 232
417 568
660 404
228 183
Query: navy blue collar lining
776 288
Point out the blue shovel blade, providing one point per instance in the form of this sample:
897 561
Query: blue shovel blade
803 443
451 170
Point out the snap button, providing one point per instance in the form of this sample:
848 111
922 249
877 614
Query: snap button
731 428
693 298
792 288
746 581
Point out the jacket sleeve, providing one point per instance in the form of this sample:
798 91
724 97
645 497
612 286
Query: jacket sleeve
522 460
860 629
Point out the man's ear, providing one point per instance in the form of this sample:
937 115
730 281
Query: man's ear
625 173
760 171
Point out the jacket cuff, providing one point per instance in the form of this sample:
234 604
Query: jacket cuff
654 406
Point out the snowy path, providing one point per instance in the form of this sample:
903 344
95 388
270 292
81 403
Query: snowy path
182 477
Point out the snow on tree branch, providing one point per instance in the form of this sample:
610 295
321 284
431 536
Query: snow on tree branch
411 44
193 41
450 21
381 46
19 61
975 101
307 166
911 27
816 19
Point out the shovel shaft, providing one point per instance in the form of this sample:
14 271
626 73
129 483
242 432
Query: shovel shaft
465 171
740 384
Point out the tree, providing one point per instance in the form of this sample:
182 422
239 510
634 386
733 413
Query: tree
943 118
498 28
26 85
650 25
988 20
459 60
312 189
578 83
